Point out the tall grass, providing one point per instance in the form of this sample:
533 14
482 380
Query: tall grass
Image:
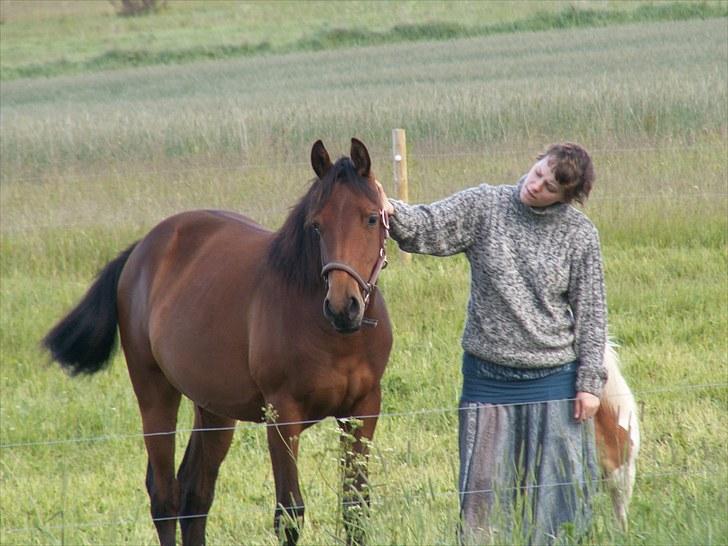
507 92
89 163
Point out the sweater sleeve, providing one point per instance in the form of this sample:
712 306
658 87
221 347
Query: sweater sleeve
443 228
588 303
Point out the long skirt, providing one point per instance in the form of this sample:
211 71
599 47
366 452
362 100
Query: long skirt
528 473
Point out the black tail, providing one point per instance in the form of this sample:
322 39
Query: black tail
83 341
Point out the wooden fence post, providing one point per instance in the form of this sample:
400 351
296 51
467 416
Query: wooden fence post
401 189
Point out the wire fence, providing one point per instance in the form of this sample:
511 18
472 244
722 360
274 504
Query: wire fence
248 426
383 493
377 501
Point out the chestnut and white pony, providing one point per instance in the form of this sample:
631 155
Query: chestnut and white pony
617 436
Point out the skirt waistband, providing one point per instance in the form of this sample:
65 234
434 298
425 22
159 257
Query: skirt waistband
486 382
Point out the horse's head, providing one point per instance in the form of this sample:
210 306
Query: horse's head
352 229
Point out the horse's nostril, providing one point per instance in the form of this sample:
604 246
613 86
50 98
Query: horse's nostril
353 307
346 316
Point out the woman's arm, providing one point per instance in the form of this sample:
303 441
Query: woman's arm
443 228
588 303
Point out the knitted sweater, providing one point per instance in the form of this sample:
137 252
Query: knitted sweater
537 296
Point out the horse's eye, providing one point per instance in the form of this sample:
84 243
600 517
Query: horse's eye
373 220
315 226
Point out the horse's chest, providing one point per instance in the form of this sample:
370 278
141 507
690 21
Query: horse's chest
333 389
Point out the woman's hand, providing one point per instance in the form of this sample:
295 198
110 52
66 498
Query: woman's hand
386 205
585 406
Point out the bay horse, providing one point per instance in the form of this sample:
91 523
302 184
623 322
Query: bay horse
246 322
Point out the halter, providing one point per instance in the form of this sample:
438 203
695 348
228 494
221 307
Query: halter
367 287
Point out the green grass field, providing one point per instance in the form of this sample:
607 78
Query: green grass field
88 35
90 160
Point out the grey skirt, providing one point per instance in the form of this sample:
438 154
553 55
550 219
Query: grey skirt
528 473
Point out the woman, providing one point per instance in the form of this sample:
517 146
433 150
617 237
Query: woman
533 346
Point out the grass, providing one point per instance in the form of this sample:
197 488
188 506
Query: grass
475 99
91 162
74 37
414 465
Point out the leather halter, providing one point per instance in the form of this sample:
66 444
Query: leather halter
368 286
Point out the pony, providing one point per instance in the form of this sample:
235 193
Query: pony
249 324
617 433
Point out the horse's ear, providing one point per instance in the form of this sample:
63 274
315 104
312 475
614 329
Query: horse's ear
360 157
320 160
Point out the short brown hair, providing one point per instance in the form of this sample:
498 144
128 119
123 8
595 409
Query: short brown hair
572 168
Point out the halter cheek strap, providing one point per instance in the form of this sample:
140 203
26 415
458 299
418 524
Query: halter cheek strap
367 287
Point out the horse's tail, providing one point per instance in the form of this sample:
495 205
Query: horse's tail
84 340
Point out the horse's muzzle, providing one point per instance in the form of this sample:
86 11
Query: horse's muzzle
347 318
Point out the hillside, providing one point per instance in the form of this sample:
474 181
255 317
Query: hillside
59 37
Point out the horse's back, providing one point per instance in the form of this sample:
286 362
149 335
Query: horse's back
197 248
183 299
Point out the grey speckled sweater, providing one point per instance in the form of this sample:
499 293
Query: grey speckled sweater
537 295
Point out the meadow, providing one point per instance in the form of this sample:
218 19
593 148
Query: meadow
89 162
89 35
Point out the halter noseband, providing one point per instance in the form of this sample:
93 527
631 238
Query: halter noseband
367 287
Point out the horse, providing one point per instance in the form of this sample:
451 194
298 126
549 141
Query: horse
617 434
249 324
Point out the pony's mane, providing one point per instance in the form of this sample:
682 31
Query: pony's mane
295 253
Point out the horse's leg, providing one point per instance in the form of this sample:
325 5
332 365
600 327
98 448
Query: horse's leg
355 439
158 403
198 472
283 435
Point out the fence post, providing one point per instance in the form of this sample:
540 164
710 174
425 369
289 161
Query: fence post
401 188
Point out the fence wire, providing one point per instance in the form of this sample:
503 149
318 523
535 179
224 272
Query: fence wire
379 490
247 426
377 501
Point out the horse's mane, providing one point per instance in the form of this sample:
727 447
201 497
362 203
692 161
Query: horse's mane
295 253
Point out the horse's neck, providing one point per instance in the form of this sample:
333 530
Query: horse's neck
296 261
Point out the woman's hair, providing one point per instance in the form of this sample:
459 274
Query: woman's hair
572 168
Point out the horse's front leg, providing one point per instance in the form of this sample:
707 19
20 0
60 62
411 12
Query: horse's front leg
356 435
284 429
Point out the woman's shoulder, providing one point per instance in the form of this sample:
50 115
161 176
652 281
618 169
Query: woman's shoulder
582 231
578 219
494 191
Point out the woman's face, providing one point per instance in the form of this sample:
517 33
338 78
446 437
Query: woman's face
540 188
